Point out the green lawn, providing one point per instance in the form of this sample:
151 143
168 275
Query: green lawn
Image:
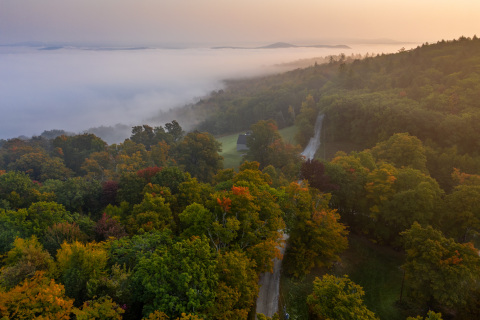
374 267
232 158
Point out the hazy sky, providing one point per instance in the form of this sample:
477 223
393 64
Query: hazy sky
234 21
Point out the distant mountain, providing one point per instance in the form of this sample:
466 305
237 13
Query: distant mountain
278 45
283 45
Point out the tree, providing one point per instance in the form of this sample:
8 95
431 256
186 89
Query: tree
130 188
462 212
313 171
158 315
305 121
315 240
160 156
402 150
338 298
178 279
41 215
75 149
128 251
80 267
198 154
174 130
32 221
151 214
144 135
415 197
237 287
171 177
109 227
264 133
77 194
22 262
16 190
100 166
192 191
266 146
36 298
439 272
102 308
62 232
430 316
350 173
131 157
39 166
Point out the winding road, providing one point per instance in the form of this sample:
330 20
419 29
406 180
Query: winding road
267 301
269 293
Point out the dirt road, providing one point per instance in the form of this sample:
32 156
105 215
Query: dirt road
267 301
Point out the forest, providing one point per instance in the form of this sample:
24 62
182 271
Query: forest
156 227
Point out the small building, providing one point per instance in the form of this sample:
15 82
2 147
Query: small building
242 141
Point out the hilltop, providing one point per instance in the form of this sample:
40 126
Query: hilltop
282 45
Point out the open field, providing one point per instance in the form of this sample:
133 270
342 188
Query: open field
233 158
374 267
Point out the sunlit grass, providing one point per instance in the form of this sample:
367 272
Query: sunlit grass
233 158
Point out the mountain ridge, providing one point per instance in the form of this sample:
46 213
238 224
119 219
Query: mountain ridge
283 45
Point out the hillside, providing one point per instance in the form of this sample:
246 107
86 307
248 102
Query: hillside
161 225
428 88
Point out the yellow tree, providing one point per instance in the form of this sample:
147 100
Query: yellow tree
38 298
338 298
80 267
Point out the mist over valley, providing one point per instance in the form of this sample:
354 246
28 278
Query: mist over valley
110 89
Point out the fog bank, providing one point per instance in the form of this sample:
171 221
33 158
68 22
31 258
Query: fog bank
74 89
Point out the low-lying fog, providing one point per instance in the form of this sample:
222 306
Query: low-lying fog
74 89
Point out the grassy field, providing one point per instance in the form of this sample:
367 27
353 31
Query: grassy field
232 158
373 267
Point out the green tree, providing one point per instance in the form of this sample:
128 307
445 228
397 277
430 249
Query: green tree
75 149
416 197
39 166
78 194
80 267
23 261
461 219
264 133
174 130
128 251
198 154
402 150
130 188
171 177
16 190
151 214
430 316
305 121
338 298
177 279
102 308
439 272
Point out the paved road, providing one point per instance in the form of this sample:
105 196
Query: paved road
267 301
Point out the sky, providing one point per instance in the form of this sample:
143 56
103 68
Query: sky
74 89
234 21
